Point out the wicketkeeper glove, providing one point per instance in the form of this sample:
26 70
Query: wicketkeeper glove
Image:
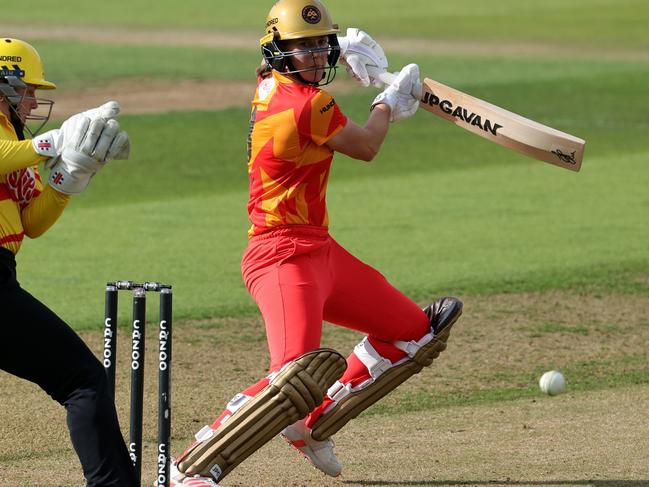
102 141
358 51
398 95
51 143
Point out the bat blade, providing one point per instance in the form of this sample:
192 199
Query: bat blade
502 126
497 124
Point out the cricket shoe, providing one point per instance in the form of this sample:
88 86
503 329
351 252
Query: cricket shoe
319 453
179 479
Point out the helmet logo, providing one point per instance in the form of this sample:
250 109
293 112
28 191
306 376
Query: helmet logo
311 14
17 72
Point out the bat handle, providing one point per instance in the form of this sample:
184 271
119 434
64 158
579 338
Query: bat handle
387 78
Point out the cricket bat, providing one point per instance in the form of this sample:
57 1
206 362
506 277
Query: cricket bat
497 124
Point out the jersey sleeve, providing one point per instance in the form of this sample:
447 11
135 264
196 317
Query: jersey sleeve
321 118
41 213
15 155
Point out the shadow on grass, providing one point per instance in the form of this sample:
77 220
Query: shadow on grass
593 483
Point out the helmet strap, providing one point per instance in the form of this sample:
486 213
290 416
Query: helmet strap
19 126
290 68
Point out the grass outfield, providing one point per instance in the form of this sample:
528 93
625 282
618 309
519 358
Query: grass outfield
438 211
69 64
605 22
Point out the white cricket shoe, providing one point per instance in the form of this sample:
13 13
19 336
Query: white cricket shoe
194 482
179 479
319 453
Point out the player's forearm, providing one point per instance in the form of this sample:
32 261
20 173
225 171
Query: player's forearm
17 154
43 211
377 128
363 143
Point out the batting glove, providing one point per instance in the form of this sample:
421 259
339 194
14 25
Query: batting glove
398 95
358 51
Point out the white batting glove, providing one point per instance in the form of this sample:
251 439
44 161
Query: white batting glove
358 51
398 96
102 141
51 143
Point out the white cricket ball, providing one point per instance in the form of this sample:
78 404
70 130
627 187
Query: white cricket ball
552 383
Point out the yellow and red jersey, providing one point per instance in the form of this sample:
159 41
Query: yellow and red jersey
288 161
25 207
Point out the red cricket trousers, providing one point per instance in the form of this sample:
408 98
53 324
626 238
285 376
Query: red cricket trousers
300 276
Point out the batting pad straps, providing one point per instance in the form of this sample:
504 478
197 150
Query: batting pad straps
371 359
375 364
413 346
339 390
205 433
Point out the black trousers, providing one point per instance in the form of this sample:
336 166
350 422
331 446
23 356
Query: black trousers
38 346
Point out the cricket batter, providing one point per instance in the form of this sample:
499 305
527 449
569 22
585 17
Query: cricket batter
293 268
35 344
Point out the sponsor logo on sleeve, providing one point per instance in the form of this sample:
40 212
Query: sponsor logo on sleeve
327 107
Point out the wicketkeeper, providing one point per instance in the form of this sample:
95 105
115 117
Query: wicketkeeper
35 344
297 273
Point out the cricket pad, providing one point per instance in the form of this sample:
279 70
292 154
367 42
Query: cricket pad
294 392
442 315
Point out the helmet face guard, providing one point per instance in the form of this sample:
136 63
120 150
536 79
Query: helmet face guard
21 67
37 118
281 60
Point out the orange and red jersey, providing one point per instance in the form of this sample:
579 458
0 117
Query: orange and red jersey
288 161
25 207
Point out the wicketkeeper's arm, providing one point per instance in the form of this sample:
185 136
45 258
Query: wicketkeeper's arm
17 154
20 154
43 211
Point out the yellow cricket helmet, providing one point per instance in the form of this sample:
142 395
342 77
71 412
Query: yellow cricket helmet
20 66
20 59
298 19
